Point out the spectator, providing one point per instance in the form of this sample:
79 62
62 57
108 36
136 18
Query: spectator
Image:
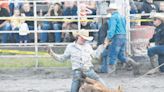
15 24
23 31
15 4
27 10
46 25
133 10
89 6
138 5
70 8
5 5
68 36
84 10
158 37
4 24
92 6
148 7
117 35
57 11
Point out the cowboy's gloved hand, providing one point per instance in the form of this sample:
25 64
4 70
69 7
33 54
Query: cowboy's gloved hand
83 75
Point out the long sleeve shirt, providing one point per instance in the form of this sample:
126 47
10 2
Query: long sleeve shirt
116 25
80 55
23 30
158 37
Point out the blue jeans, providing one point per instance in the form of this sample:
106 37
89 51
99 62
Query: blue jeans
117 49
15 36
57 35
23 38
157 50
77 74
94 34
5 36
104 64
31 35
44 36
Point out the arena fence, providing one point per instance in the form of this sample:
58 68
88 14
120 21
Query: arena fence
36 54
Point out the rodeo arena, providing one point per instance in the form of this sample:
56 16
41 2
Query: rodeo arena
81 45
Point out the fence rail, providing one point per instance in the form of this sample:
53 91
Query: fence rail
77 19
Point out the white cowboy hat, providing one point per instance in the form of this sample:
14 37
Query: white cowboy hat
84 34
158 15
109 15
112 6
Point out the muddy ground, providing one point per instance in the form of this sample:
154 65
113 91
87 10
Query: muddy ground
59 80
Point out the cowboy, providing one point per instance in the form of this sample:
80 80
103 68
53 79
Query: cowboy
116 34
158 37
80 53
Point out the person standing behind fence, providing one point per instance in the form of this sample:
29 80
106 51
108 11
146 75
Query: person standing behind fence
15 24
57 25
4 24
23 31
148 6
28 11
70 8
46 25
158 37
117 35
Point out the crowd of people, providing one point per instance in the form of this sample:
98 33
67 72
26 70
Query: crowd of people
22 9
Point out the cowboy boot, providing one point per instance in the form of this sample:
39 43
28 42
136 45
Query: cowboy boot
135 66
112 69
153 61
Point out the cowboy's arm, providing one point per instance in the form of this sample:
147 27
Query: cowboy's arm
112 27
60 57
96 53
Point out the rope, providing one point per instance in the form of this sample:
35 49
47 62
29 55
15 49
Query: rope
149 72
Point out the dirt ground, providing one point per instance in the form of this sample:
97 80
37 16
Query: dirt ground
59 80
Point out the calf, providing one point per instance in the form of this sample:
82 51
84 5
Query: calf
91 85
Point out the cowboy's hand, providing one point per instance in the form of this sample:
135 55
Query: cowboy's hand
49 50
52 54
107 42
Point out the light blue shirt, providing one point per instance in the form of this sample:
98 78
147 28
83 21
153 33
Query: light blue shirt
116 24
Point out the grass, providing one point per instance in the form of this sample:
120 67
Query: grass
30 62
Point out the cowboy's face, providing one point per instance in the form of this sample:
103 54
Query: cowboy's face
26 7
81 40
16 12
156 22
